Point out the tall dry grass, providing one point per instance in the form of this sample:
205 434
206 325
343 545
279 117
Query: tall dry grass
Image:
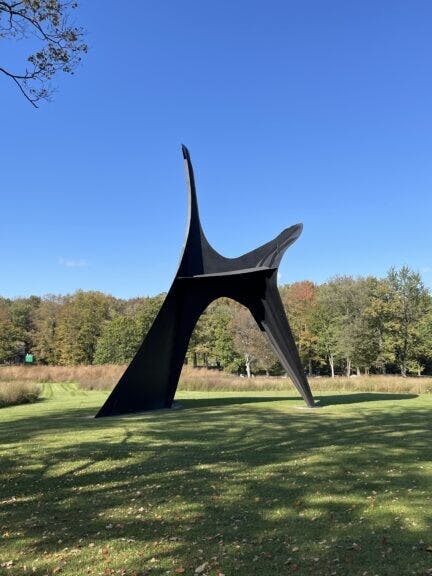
201 379
16 392
104 377
101 377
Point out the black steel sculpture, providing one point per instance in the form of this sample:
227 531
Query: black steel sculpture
151 379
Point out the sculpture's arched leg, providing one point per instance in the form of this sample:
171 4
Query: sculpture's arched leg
270 317
150 381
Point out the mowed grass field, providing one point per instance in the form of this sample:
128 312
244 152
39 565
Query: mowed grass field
232 483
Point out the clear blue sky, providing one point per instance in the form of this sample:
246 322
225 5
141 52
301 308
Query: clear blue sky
294 111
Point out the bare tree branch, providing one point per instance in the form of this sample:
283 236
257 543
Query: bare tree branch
14 78
60 44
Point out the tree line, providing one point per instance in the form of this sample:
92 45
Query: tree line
346 325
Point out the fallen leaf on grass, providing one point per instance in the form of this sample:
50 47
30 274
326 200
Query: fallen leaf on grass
201 568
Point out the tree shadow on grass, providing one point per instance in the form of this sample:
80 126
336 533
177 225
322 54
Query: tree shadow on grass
358 397
251 490
321 401
80 418
187 403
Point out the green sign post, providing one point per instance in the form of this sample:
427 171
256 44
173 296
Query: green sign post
28 359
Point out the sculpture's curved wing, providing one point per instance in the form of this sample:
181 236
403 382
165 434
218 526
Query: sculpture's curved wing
270 254
199 257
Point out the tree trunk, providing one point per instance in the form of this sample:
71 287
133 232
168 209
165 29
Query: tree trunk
194 360
348 368
367 371
403 370
331 362
248 363
310 368
359 371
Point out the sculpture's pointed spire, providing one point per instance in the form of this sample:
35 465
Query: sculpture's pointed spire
192 197
192 260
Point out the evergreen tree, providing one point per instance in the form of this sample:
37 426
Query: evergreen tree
408 303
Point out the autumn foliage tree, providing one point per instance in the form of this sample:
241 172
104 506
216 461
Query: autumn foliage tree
10 337
44 338
299 300
343 326
80 323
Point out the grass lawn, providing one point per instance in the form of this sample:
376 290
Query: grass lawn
233 483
